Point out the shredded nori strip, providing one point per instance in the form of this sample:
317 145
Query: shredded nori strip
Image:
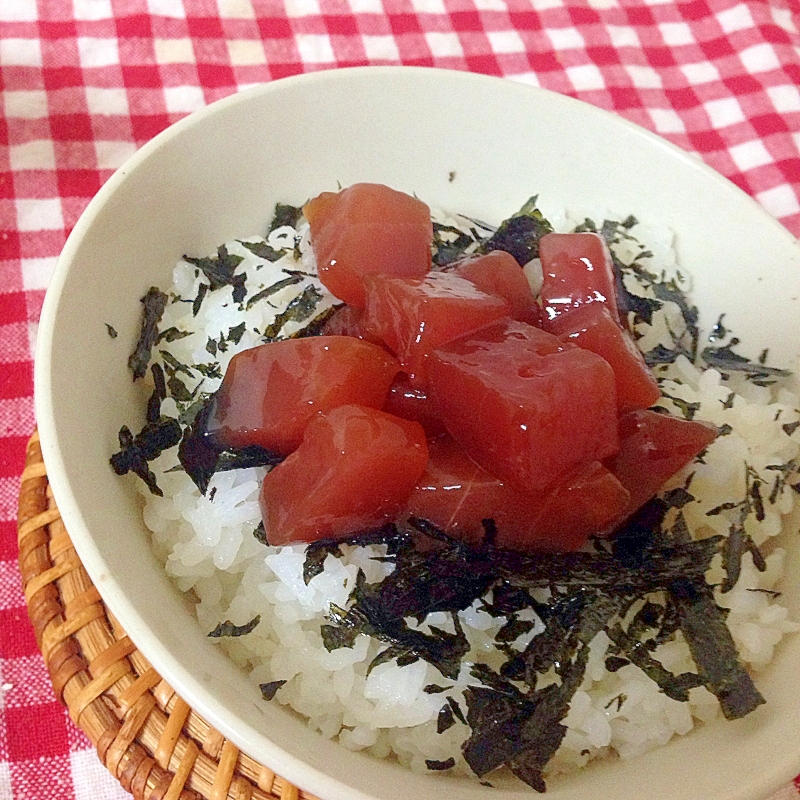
154 303
520 234
220 272
522 728
158 434
111 331
449 244
202 291
260 534
298 310
703 626
440 766
274 289
445 719
172 334
269 690
227 628
726 360
201 455
263 250
285 214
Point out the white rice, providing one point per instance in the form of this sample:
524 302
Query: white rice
208 548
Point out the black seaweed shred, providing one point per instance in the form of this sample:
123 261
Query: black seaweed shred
726 360
512 721
440 766
269 690
298 310
449 244
290 280
520 234
227 628
285 214
158 434
201 455
221 271
154 303
263 250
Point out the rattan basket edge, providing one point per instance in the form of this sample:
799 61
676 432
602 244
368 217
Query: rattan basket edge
151 741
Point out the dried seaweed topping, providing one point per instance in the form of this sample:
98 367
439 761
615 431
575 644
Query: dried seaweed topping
439 766
725 360
449 244
442 649
389 535
589 592
298 310
111 331
269 690
202 291
445 719
201 455
220 271
260 534
573 621
227 628
285 214
290 280
642 307
520 234
712 647
158 434
521 730
735 546
638 652
263 250
154 303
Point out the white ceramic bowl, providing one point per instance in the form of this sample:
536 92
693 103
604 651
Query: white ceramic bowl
473 144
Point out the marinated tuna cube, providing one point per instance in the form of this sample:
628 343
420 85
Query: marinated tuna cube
580 505
413 316
269 393
498 274
457 495
577 270
593 328
653 447
345 321
353 471
412 403
364 229
527 407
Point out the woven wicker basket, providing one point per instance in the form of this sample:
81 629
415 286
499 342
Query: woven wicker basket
150 740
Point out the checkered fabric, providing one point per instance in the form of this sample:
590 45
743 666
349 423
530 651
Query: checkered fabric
83 83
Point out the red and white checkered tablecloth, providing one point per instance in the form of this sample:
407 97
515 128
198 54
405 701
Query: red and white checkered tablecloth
83 83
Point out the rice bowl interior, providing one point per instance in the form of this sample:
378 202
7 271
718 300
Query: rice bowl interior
227 168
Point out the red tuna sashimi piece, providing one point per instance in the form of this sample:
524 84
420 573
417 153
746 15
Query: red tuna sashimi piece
583 504
498 274
593 328
412 403
527 407
354 470
653 447
368 228
269 393
456 495
577 270
345 321
414 316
